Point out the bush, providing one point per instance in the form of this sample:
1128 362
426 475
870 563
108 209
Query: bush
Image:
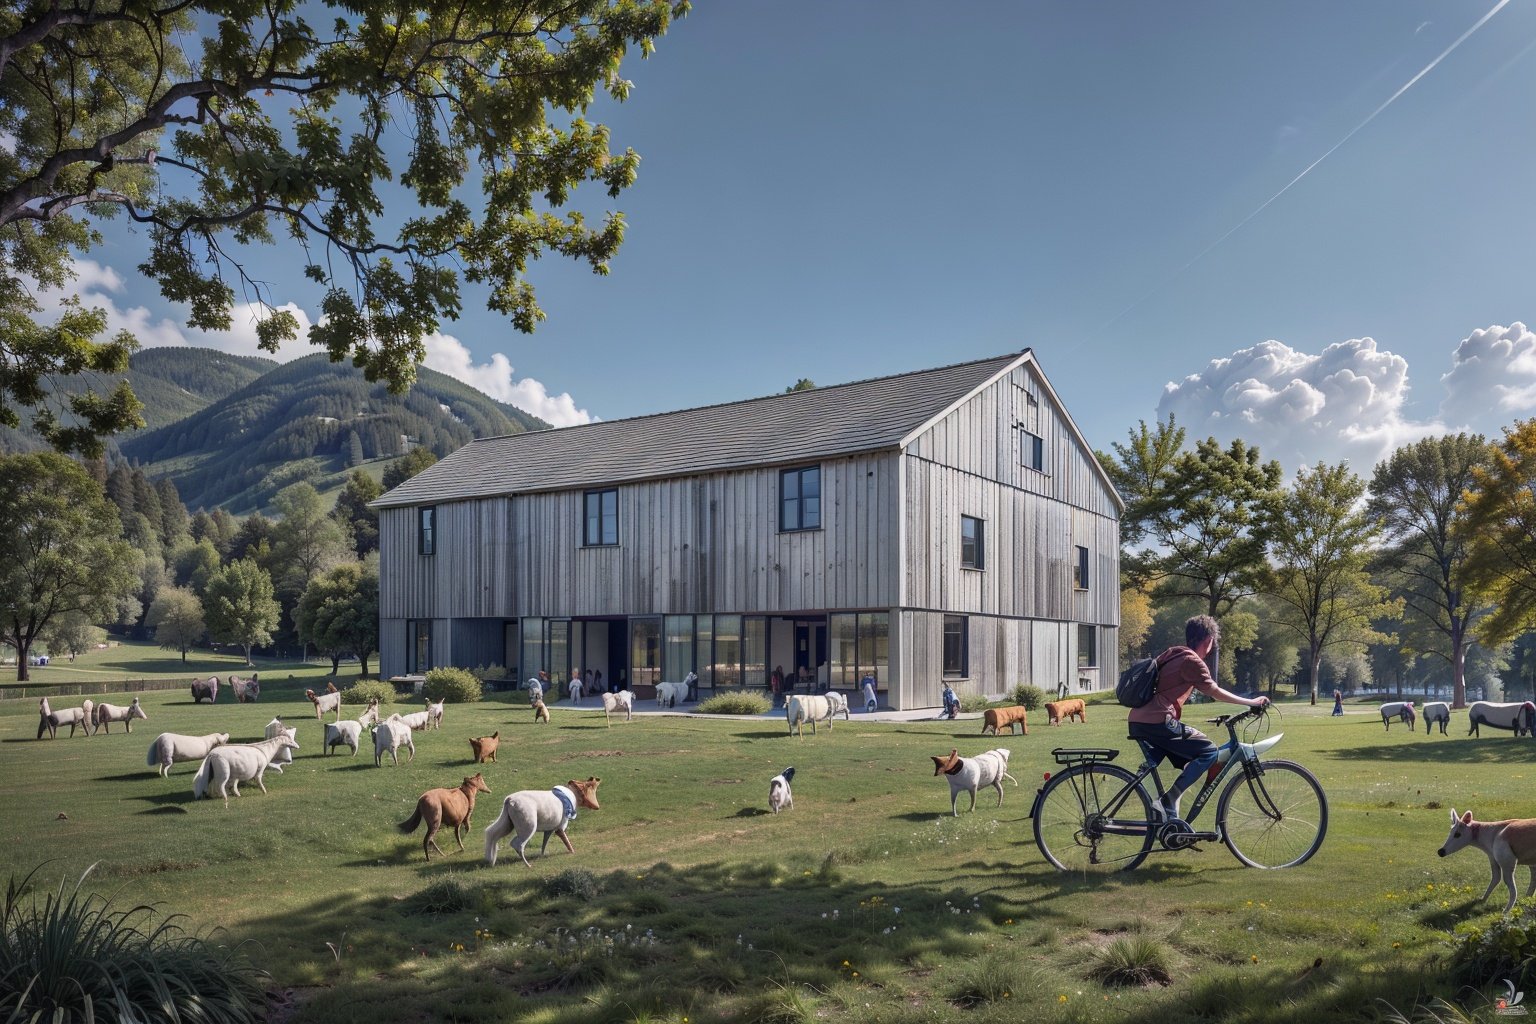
1029 695
70 956
365 690
491 671
453 685
973 702
744 702
575 882
1505 949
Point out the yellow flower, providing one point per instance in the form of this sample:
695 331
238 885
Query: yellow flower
1397 945
1254 958
845 963
1061 999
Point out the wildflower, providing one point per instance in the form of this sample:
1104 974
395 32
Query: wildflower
1254 958
1061 999
1397 945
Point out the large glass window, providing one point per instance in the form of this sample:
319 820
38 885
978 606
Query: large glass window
800 499
972 543
843 650
1087 646
512 648
727 650
859 646
418 637
535 656
426 530
1080 570
702 651
677 656
955 643
644 652
602 518
754 651
559 648
875 645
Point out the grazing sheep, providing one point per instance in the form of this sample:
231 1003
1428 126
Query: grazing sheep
106 714
350 731
1519 718
1400 709
812 708
392 734
205 688
669 695
226 767
50 720
170 747
246 690
1437 712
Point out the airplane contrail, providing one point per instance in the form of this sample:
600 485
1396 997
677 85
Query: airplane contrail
1310 167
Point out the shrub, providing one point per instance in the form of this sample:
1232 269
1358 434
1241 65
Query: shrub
577 882
1029 695
973 702
453 685
70 956
491 671
447 895
743 702
365 690
1505 949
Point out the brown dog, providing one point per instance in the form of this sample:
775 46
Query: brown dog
540 712
484 747
996 718
439 807
1064 710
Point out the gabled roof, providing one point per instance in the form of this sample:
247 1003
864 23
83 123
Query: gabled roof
837 420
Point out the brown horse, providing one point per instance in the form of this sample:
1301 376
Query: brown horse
439 807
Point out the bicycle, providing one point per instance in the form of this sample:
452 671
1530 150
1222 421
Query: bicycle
1096 817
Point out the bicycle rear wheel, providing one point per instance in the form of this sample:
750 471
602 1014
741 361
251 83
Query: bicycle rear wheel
1073 831
1276 819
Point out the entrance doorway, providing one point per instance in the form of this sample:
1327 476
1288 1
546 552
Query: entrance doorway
811 650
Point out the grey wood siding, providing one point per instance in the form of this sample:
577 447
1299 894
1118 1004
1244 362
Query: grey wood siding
691 545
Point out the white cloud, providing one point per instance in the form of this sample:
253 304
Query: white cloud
1343 404
1493 371
447 354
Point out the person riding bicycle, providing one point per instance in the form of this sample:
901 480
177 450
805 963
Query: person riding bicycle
1181 671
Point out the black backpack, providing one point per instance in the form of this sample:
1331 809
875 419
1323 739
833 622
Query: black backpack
1138 683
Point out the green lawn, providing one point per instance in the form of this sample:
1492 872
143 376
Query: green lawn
685 899
137 660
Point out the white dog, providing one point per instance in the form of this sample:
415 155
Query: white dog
534 810
435 714
1508 844
623 701
276 728
779 796
392 734
968 774
170 747
226 767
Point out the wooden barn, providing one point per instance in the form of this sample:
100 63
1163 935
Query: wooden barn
949 525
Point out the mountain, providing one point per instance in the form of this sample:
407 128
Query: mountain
171 382
313 420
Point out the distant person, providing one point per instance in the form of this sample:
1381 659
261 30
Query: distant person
1338 702
951 702
691 680
574 687
776 684
870 700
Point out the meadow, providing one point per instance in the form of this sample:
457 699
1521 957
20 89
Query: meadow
686 901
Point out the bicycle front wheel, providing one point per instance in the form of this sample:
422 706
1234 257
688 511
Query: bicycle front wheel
1274 819
1075 833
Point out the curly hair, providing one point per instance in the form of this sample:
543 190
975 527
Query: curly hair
1200 627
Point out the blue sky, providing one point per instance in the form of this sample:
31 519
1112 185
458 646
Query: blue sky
839 190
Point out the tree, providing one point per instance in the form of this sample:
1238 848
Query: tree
239 607
407 466
305 541
177 618
283 125
803 384
339 613
1416 496
71 633
1135 621
1322 548
195 564
352 511
61 549
1499 530
252 540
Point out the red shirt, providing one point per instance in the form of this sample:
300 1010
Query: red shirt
1181 673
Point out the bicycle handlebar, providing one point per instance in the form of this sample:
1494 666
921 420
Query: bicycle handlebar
1231 721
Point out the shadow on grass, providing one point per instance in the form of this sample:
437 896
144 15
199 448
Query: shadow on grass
1487 750
727 941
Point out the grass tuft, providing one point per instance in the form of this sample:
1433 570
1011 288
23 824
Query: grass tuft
447 895
1136 960
745 702
576 882
68 955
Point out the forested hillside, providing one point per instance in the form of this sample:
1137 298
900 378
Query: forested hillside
312 420
171 382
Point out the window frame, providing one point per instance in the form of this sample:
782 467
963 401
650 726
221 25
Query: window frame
1091 660
978 557
426 530
587 540
1031 450
799 474
1080 569
963 669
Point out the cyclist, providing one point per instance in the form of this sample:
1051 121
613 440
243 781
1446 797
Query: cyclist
1181 671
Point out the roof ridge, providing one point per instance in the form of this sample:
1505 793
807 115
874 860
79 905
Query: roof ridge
758 398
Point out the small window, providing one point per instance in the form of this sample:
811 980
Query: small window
972 543
418 654
1032 450
956 655
602 519
1080 570
1087 646
426 530
800 499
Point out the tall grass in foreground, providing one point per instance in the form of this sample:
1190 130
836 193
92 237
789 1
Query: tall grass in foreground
68 955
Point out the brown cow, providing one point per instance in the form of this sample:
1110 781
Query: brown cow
1064 710
996 718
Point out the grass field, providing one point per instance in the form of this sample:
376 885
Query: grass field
686 900
145 661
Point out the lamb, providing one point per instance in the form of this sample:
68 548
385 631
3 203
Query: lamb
170 747
1437 712
226 767
968 774
276 728
435 714
392 734
624 701
350 731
